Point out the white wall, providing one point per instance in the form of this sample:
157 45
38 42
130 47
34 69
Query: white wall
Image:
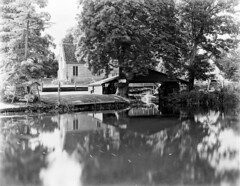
65 72
96 90
85 122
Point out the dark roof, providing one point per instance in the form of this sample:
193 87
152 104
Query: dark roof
153 76
69 53
182 80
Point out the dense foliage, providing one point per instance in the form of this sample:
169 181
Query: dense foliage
128 34
229 64
226 97
209 28
186 37
23 46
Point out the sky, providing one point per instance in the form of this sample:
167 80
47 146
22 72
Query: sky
63 13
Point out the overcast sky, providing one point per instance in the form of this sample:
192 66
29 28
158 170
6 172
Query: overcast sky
63 13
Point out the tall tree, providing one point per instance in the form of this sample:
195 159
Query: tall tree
128 34
209 28
22 43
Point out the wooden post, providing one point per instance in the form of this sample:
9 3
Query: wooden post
41 85
222 98
26 39
59 87
38 94
59 127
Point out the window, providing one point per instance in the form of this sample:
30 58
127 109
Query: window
75 70
75 124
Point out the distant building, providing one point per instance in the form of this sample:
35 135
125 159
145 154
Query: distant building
72 71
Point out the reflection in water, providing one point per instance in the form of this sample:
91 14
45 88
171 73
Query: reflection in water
207 119
31 152
134 147
221 148
62 170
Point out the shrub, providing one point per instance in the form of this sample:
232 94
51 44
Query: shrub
229 95
8 94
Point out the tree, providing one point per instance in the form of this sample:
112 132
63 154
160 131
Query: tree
208 28
50 66
69 37
128 34
23 45
229 64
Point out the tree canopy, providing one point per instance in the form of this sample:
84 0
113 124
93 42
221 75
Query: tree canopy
23 45
209 29
229 64
128 34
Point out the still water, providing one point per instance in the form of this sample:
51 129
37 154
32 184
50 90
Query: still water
139 146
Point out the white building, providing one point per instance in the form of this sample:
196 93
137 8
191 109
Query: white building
70 70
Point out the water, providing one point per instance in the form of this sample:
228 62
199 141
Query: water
140 146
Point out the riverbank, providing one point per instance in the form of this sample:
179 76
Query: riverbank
69 102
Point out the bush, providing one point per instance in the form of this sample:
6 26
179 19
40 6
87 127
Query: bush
8 94
229 95
31 98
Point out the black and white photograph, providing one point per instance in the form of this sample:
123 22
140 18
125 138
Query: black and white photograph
119 92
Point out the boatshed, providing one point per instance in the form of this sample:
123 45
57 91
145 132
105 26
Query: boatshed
109 85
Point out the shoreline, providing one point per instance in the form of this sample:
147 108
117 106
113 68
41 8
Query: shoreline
45 107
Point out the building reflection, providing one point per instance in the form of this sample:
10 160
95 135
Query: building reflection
77 128
111 128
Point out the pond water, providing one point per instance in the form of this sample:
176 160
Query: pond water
139 146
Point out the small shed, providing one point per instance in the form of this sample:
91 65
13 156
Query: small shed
105 86
27 91
33 88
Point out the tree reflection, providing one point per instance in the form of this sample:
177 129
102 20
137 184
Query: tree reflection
18 158
22 150
220 148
